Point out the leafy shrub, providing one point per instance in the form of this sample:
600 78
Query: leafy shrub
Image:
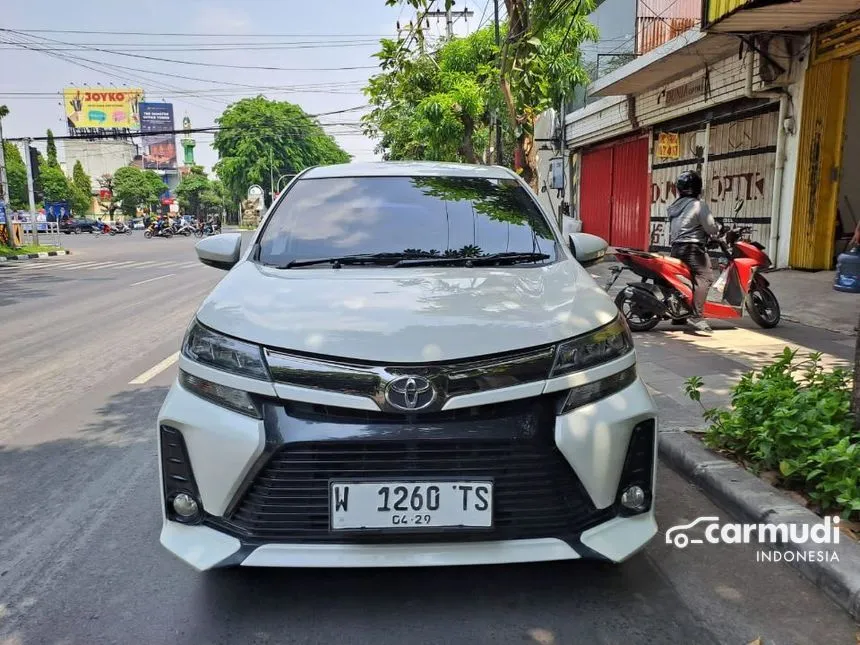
795 417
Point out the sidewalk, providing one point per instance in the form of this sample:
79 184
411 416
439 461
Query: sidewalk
815 318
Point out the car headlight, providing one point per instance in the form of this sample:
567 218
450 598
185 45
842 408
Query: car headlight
208 347
227 397
599 346
597 390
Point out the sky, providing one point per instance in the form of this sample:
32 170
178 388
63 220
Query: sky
313 38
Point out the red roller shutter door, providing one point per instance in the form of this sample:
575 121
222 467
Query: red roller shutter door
614 193
596 192
631 189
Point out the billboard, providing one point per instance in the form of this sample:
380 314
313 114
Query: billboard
100 110
159 150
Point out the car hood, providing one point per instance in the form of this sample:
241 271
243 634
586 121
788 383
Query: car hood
406 315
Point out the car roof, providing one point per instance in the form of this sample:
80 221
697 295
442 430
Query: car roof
408 169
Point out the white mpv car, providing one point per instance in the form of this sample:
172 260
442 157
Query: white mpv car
406 366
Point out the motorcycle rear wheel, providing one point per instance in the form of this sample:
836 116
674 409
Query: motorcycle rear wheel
763 307
636 321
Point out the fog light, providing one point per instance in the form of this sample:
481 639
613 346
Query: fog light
185 505
633 498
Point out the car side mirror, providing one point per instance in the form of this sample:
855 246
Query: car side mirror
220 251
587 249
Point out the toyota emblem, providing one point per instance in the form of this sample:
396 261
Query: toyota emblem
410 393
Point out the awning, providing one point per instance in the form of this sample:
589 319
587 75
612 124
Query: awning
688 53
779 15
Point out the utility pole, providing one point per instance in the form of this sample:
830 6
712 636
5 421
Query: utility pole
34 225
4 185
499 156
271 178
449 18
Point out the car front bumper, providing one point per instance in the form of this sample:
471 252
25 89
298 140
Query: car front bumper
229 454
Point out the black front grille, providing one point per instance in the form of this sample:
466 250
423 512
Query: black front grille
536 493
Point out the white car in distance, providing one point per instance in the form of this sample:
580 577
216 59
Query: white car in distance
407 366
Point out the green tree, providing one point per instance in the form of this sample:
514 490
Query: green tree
539 65
191 191
81 199
260 140
435 106
51 150
211 202
16 174
110 203
81 179
55 185
157 187
134 188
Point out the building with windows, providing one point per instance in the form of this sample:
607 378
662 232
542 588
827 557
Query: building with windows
762 98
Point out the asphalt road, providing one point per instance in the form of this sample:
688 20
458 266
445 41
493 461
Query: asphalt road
80 561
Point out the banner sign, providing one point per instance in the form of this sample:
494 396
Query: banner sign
668 145
693 90
56 211
159 150
102 110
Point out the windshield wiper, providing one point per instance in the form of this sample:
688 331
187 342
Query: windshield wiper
338 261
492 258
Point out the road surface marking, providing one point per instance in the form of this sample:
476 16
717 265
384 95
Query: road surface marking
83 265
112 265
154 371
161 277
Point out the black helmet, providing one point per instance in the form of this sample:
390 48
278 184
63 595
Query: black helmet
689 184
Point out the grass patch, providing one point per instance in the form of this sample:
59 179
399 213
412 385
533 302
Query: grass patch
26 249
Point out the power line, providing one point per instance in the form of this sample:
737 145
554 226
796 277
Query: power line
195 63
193 34
210 129
227 47
69 58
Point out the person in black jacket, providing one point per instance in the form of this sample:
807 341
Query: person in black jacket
691 226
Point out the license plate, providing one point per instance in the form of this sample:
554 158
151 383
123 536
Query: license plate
364 505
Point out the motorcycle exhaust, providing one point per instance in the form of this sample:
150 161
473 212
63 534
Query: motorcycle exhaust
645 302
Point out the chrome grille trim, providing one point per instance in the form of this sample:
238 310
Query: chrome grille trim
449 379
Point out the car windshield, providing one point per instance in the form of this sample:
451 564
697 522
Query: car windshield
458 217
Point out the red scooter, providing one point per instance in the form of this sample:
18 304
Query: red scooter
665 292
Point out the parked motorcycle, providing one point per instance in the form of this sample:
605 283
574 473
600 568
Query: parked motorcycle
151 232
120 228
665 290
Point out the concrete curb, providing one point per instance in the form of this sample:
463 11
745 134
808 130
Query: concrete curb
752 500
34 256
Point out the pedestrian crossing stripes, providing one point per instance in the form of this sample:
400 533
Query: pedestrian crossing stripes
105 266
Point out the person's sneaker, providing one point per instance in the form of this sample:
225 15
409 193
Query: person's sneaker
701 326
